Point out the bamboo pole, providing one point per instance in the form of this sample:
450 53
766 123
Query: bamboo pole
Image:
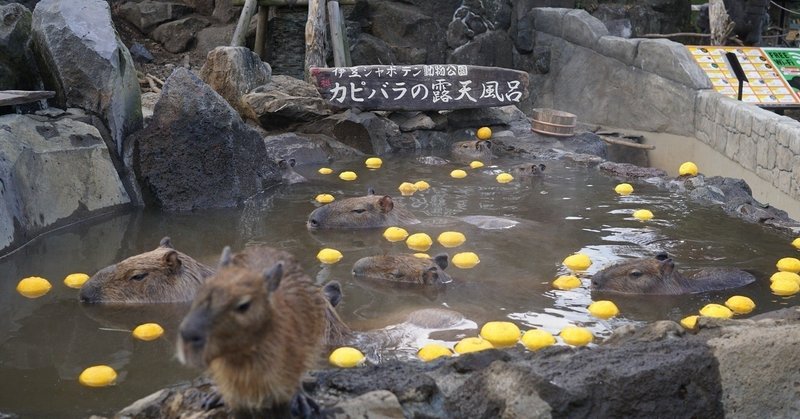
611 140
240 33
315 37
261 32
337 43
345 43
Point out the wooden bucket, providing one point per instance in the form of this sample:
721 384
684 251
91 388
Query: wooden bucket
553 122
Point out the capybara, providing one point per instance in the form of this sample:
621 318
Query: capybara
657 275
527 170
370 211
162 275
467 151
432 160
404 269
288 174
257 326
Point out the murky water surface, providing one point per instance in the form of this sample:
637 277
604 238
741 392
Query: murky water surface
46 342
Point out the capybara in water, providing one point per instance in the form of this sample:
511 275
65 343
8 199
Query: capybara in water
288 174
368 211
657 275
527 170
467 151
404 269
159 276
257 326
432 160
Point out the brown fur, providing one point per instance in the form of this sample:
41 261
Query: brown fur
658 276
467 151
527 170
368 211
255 332
161 275
407 269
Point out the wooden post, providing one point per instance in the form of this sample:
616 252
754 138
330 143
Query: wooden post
345 43
315 37
337 43
261 32
240 33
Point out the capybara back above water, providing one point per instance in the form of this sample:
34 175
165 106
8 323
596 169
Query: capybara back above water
467 151
161 275
256 325
370 211
403 269
657 275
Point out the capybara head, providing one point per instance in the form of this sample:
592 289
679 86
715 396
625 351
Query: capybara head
466 151
527 170
257 325
158 276
287 172
406 269
650 275
369 211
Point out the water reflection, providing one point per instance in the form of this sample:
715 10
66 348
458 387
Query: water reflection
46 342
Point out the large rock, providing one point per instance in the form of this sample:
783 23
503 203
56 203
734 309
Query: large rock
54 172
178 36
233 72
491 49
196 152
17 66
148 14
369 50
369 133
284 101
86 63
307 148
648 16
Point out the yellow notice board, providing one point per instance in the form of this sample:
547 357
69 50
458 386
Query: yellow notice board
766 87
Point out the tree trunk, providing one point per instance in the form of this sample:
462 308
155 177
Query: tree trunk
315 36
719 22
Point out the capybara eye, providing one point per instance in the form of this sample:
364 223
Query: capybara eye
139 277
636 273
359 210
243 307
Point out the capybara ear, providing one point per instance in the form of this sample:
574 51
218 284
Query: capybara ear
166 242
333 292
292 162
542 167
386 203
370 191
488 144
662 256
171 260
225 258
666 267
273 276
441 260
283 164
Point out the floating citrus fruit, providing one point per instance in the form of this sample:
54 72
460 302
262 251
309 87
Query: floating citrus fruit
395 234
643 214
422 185
484 133
576 336
785 275
688 168
690 322
501 334
75 280
796 243
577 262
346 357
603 309
433 351
789 265
466 260
419 242
716 310
33 287
348 176
374 163
325 170
458 174
624 189
98 376
537 339
504 178
567 282
784 287
467 345
148 331
476 164
324 198
329 256
451 239
740 304
422 255
407 188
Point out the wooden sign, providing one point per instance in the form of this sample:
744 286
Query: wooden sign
420 87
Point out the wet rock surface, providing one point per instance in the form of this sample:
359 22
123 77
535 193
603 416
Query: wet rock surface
17 63
284 101
216 159
233 72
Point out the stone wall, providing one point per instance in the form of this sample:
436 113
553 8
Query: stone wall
655 85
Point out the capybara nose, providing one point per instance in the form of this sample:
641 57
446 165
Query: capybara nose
194 337
89 294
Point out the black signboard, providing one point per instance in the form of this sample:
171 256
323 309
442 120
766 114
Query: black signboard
420 87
